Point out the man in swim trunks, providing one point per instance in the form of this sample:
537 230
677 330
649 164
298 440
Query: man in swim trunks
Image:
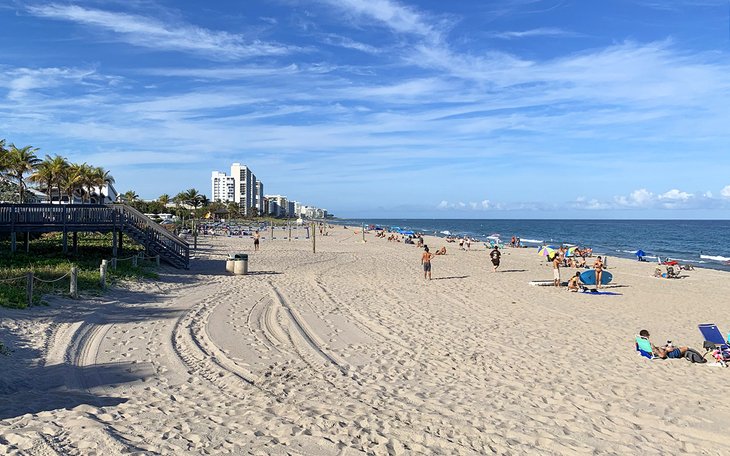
256 237
426 262
556 270
598 266
495 255
669 350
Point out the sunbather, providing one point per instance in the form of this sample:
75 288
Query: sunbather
670 351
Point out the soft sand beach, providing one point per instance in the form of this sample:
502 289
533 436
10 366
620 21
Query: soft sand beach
350 351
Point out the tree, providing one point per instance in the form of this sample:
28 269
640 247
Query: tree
164 199
192 197
3 157
70 180
19 162
100 178
49 173
130 196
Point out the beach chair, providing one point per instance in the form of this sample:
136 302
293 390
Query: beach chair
643 346
715 342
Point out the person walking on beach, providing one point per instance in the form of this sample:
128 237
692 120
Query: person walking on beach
556 269
598 266
256 238
495 255
426 262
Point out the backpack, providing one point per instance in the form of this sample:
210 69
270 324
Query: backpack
694 357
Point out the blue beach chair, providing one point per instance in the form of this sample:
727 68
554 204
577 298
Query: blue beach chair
715 341
643 346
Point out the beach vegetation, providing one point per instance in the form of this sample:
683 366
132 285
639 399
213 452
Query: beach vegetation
47 263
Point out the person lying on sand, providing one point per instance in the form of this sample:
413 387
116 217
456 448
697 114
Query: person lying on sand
672 352
441 251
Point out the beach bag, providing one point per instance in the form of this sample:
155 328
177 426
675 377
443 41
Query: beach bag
694 357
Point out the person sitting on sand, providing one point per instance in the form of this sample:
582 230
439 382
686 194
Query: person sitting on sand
426 262
574 284
441 251
672 352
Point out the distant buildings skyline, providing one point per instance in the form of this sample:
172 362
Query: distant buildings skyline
244 188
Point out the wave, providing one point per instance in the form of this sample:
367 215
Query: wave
530 241
446 232
715 258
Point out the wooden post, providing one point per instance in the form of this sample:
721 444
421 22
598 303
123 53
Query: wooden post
134 261
314 238
363 232
272 231
119 247
65 241
29 288
289 223
157 260
114 242
75 242
74 287
27 241
102 274
114 264
13 237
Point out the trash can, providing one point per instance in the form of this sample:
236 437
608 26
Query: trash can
238 262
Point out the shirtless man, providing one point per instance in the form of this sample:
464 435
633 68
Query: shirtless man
556 270
598 266
495 256
426 262
256 238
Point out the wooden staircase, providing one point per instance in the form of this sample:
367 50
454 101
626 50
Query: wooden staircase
103 218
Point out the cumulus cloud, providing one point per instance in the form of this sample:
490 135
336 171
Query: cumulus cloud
725 192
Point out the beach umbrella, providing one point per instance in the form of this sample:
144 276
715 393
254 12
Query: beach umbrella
571 251
546 250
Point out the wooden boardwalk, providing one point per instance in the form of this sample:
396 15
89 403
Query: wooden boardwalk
118 219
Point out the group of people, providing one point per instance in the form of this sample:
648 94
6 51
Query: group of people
574 283
669 351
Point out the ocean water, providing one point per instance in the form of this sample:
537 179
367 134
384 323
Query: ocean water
703 243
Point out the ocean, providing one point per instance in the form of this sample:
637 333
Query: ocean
703 243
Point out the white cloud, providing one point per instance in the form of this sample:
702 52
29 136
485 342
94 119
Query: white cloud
152 33
638 198
725 192
675 195
537 32
397 17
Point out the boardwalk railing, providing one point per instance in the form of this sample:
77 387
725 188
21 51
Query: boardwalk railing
115 218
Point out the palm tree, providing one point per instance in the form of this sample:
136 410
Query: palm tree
49 173
3 157
192 197
20 162
164 199
130 196
70 180
100 178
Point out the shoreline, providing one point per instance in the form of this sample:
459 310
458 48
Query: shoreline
611 251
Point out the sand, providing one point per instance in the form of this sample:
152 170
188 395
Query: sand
350 351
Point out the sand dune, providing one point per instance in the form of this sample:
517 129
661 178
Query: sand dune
351 351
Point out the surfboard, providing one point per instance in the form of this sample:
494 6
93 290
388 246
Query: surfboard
589 277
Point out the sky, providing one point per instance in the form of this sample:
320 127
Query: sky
384 108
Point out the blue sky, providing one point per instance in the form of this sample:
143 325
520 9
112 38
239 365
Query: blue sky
381 108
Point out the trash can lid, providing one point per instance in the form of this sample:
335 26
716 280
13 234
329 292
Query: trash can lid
238 256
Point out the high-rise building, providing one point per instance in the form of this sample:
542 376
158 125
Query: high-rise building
260 197
223 187
245 188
